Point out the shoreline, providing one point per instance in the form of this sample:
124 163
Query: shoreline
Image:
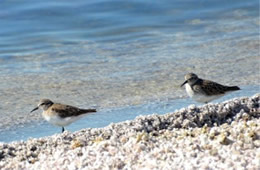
219 136
21 123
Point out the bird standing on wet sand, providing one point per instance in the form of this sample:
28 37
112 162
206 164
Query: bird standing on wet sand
60 114
205 91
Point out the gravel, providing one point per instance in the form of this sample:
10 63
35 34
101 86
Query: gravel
213 136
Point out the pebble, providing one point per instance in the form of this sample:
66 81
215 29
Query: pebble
213 136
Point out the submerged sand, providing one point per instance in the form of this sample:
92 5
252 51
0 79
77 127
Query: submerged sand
213 136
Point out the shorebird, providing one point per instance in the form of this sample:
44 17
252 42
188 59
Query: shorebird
205 91
61 114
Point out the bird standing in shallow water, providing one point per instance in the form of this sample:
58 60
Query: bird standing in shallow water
205 91
61 114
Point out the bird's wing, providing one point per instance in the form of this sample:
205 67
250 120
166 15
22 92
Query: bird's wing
67 110
209 88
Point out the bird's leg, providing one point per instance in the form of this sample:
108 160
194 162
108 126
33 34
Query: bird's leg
62 130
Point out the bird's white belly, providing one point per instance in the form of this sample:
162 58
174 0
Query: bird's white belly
200 97
204 98
58 121
189 90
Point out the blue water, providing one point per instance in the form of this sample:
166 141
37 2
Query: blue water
119 56
33 27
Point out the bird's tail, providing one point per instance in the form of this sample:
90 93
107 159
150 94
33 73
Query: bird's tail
90 110
233 88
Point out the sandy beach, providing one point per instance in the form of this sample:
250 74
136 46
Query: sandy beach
213 136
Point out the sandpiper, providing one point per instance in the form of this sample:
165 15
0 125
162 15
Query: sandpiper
61 114
205 91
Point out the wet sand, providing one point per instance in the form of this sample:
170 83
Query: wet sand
21 93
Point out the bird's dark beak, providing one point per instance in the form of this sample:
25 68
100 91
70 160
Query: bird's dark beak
34 109
184 83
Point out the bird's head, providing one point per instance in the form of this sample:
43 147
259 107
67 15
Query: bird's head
190 78
44 104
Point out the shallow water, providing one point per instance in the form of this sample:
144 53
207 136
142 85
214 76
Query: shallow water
120 54
104 117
